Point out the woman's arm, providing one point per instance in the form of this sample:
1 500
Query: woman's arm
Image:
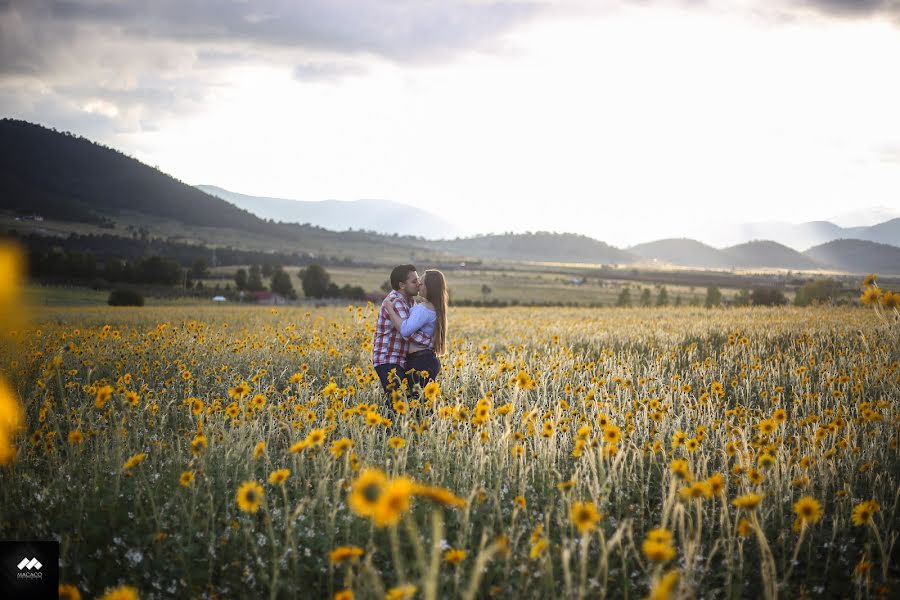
418 316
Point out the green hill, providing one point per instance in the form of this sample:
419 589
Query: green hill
540 247
858 256
769 254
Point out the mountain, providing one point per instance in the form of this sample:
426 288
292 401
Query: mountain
883 233
757 254
683 252
60 176
864 217
858 256
540 247
798 236
382 216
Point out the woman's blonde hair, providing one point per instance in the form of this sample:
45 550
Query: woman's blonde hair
436 293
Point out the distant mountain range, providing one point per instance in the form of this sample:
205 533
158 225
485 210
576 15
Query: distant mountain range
382 216
67 178
855 256
799 236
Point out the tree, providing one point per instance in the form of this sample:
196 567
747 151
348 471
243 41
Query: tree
713 297
662 299
821 291
199 270
315 281
281 284
624 298
742 298
485 291
645 298
767 296
269 270
254 279
240 279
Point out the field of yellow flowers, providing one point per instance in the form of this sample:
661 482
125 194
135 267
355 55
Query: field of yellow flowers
249 452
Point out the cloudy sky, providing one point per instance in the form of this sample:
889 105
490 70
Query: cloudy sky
627 120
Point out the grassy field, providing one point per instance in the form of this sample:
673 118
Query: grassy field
525 284
247 452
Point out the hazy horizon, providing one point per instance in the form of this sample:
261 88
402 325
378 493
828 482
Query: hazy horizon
627 120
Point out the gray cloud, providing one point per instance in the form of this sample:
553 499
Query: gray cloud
149 59
401 30
856 8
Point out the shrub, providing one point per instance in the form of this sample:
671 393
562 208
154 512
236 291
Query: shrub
125 298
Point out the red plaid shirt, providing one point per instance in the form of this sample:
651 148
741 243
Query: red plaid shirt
389 347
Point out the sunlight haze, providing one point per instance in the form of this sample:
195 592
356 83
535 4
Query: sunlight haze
628 123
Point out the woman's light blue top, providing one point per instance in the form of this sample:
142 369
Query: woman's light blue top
420 317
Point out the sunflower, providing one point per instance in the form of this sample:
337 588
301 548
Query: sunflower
890 299
258 401
316 437
765 460
259 449
663 588
198 443
658 552
343 595
660 535
232 410
432 390
76 437
403 592
68 592
743 528
103 395
537 548
367 491
864 511
249 496
871 295
454 556
808 509
681 469
196 405
747 501
339 447
869 280
186 479
345 554
279 476
134 461
585 516
716 483
396 442
612 434
439 495
393 502
123 592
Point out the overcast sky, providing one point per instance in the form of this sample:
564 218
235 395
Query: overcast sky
627 120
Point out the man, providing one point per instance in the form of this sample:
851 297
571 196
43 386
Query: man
389 347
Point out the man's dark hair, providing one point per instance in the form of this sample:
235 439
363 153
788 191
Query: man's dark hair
399 275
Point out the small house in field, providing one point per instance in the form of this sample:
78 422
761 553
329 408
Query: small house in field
268 298
218 299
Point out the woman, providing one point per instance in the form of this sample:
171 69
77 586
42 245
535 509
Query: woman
430 317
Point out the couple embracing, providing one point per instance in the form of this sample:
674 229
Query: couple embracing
410 336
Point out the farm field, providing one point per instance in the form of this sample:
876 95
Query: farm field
248 452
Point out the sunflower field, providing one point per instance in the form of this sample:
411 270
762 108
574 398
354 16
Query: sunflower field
248 452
